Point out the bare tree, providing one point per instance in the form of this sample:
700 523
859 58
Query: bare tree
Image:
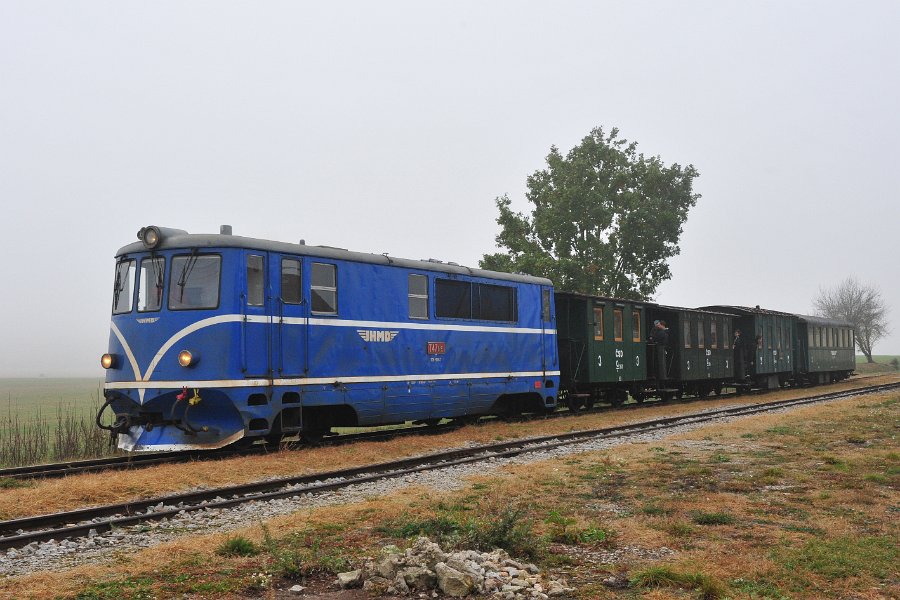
859 304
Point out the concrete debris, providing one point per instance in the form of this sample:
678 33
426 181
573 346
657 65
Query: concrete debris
424 570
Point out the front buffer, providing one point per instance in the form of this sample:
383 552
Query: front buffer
187 419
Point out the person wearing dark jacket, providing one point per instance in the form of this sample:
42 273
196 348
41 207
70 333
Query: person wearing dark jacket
660 337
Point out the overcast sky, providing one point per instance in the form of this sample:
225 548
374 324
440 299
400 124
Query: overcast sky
391 127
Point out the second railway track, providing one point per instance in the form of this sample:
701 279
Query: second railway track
72 524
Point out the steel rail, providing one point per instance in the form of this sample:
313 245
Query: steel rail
20 532
132 461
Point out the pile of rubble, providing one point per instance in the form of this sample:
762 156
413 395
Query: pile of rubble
425 568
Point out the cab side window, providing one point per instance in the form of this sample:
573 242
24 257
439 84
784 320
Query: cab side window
256 292
291 292
324 289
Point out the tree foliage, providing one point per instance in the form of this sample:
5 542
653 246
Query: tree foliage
859 304
605 219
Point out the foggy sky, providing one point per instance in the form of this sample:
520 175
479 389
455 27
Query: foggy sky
392 126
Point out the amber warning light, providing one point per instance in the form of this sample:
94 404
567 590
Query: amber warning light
437 347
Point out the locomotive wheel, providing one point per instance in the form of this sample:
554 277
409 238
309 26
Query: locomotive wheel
313 436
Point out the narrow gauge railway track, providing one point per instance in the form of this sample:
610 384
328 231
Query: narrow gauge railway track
132 461
58 526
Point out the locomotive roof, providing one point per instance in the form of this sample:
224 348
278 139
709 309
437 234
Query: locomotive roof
825 321
211 240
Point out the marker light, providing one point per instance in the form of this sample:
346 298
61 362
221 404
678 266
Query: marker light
186 359
108 361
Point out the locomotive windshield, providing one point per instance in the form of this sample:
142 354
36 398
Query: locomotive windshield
195 282
123 288
152 280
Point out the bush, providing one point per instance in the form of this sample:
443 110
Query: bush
505 527
657 577
714 518
237 546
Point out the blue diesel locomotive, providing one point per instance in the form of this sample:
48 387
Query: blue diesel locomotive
217 339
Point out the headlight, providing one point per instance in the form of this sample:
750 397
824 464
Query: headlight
150 236
186 359
108 361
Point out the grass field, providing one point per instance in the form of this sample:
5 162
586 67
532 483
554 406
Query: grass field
27 398
882 364
49 419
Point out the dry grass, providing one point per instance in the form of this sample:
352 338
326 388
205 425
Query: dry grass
812 497
94 489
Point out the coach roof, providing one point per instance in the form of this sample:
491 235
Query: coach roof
824 321
183 240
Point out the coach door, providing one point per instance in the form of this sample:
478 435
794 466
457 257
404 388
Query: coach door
257 323
291 320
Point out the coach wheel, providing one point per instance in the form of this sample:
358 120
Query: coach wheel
702 391
679 394
573 403
432 422
717 390
589 402
639 397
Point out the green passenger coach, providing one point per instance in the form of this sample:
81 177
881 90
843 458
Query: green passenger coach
698 359
603 348
825 350
764 356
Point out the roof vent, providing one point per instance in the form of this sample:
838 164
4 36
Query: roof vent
225 229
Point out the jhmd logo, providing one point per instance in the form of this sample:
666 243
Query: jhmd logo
379 335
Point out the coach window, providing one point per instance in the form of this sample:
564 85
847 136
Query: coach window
828 339
291 290
452 299
324 289
851 340
256 293
701 337
778 336
811 342
618 325
123 288
635 326
598 323
726 338
713 334
417 290
194 282
687 333
152 280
